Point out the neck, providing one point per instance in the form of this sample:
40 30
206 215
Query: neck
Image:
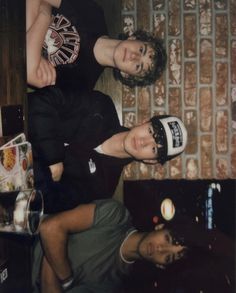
114 146
104 50
130 248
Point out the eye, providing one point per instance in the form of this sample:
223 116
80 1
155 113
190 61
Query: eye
151 56
167 259
150 130
168 238
137 67
141 49
154 150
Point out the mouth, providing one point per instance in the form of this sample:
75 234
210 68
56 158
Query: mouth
134 143
150 249
124 57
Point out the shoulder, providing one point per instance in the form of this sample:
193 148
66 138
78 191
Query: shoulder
80 6
46 95
98 288
111 212
48 91
99 95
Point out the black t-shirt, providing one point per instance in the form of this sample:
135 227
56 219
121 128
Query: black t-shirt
70 40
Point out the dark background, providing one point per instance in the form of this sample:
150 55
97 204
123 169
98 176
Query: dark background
143 199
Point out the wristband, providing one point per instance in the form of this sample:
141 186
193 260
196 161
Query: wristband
67 283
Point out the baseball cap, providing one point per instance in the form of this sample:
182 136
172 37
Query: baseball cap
170 132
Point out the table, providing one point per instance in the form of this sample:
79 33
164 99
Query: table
15 250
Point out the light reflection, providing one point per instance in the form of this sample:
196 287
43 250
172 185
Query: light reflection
227 279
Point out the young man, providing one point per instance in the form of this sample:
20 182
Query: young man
101 253
72 47
80 148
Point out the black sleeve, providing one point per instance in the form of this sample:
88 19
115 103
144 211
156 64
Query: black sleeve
56 117
48 108
87 14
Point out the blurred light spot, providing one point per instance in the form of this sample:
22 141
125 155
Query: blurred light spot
155 219
167 209
218 187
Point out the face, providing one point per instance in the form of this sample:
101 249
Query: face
158 247
133 57
140 144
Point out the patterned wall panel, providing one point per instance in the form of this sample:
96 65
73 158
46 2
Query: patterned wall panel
199 84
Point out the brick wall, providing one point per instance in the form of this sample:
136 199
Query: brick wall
199 84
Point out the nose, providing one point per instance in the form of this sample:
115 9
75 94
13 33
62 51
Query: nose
162 248
159 248
147 141
134 56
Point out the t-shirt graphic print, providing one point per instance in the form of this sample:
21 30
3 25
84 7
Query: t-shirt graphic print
62 41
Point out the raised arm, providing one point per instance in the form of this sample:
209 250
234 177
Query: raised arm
33 7
54 232
44 110
32 11
54 117
40 72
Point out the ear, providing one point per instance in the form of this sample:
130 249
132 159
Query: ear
159 227
145 120
132 37
160 266
152 162
123 74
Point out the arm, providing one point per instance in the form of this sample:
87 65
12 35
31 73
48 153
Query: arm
39 71
49 280
54 232
32 11
33 7
57 116
54 3
56 171
45 109
53 118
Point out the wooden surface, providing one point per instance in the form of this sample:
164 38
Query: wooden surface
14 251
12 52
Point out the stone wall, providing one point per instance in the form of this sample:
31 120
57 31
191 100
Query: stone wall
199 84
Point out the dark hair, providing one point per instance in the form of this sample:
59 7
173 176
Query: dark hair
159 61
201 268
177 233
187 233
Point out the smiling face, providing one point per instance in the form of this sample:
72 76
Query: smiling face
158 247
133 57
140 144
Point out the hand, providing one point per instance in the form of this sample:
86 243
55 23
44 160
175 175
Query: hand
56 171
46 73
40 72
